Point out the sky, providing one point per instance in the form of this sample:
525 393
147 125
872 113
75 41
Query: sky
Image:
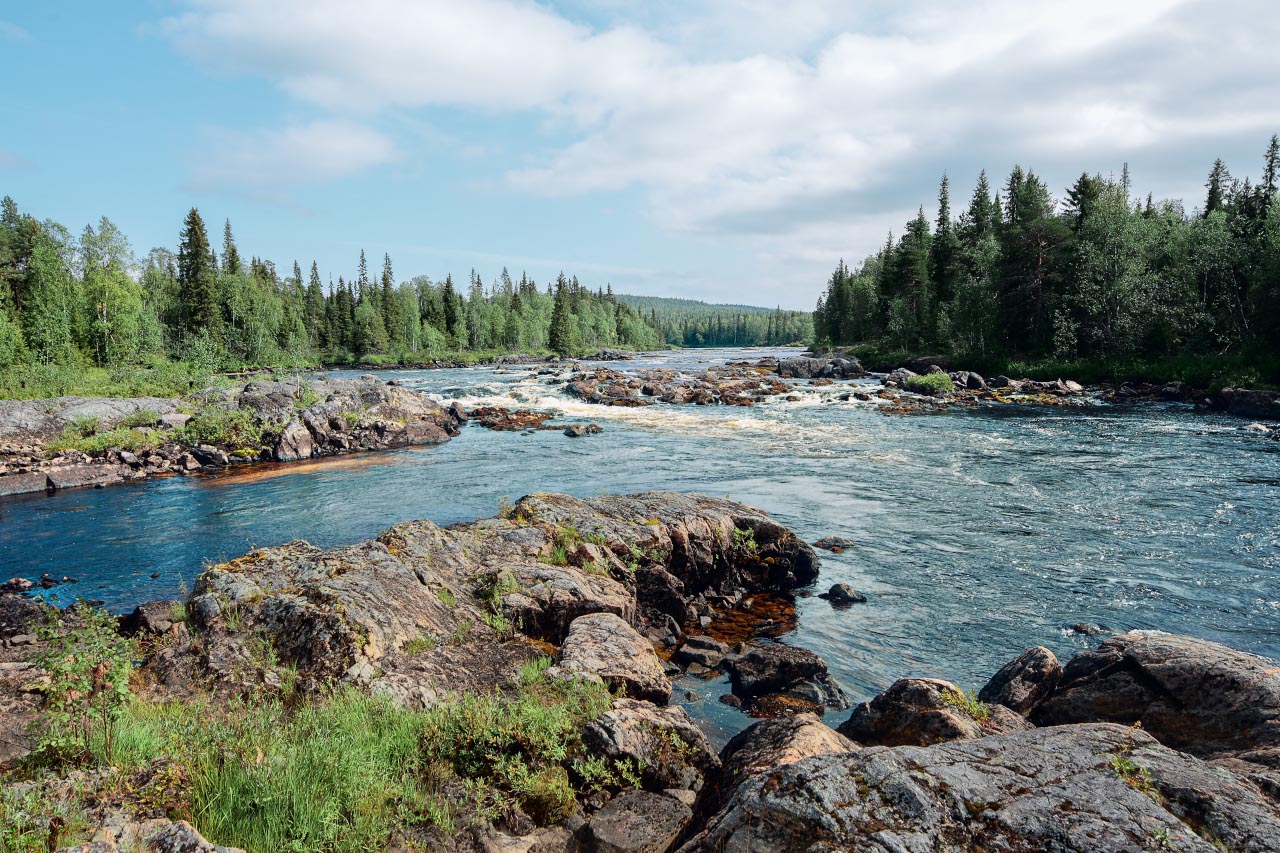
726 150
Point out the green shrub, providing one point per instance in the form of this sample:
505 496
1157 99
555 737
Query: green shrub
224 427
88 663
933 384
121 438
33 822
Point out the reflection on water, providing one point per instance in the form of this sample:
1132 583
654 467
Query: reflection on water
977 533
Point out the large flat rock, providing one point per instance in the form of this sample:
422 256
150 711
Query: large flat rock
1068 789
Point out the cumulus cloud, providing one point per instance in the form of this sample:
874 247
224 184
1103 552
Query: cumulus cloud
268 164
789 123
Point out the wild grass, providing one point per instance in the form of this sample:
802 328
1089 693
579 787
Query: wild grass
347 772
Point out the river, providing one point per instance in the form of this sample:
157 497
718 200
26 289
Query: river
978 533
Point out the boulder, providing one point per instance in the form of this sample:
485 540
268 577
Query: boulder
800 367
605 645
1253 404
1024 682
769 744
665 745
842 593
638 822
294 443
789 674
1058 789
1191 694
925 711
834 543
926 363
152 618
550 598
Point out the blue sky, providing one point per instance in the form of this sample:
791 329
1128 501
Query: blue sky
728 150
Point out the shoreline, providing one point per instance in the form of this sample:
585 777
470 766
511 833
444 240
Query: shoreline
31 471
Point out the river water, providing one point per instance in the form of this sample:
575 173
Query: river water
978 533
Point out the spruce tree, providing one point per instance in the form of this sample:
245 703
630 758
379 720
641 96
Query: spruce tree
230 254
560 335
1217 185
201 309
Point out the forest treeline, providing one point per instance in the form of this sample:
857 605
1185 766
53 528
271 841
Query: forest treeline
691 323
1099 276
86 300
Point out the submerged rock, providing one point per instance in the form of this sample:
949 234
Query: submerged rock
1053 789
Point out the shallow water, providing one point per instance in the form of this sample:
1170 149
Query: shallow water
978 533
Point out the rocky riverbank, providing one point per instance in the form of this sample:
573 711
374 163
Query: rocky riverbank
72 442
1149 741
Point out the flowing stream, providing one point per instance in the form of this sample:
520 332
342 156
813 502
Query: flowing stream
978 533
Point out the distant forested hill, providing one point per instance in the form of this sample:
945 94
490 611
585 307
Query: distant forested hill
690 323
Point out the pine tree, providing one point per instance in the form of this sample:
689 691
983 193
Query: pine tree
390 314
201 309
943 249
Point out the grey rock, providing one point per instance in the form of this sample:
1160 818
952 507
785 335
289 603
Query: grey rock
1248 403
769 744
639 822
842 593
80 476
923 711
603 644
1024 682
1191 694
665 744
789 672
1054 789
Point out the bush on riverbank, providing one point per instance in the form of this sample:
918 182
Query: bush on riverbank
931 383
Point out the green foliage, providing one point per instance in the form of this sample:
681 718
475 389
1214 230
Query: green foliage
1102 281
690 323
968 701
446 596
744 541
88 663
226 427
33 822
934 384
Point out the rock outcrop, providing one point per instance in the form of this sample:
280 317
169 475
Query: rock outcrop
1024 682
665 745
770 744
1074 789
1194 695
552 568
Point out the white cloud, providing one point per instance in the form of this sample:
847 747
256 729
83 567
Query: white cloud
13 32
792 123
268 164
